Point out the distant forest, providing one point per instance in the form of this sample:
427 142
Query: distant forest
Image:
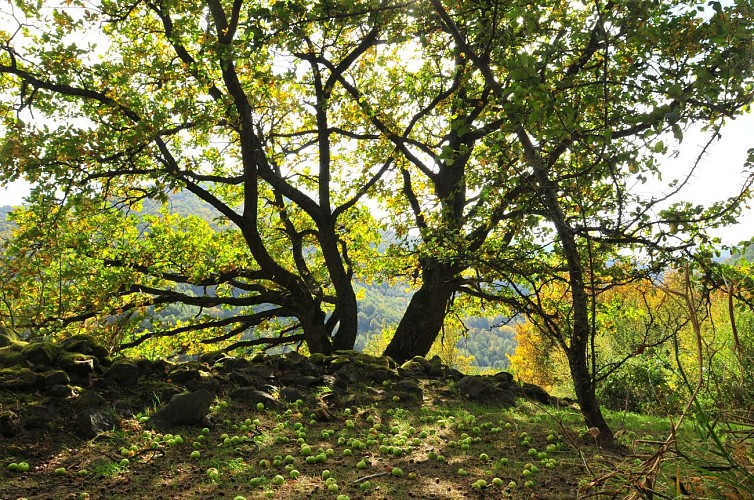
381 305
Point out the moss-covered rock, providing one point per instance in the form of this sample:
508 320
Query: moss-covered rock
186 372
54 377
183 409
76 364
18 378
340 361
124 371
11 355
318 358
10 423
85 344
41 354
7 337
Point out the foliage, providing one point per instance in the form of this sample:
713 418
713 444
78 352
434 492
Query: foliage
210 111
488 342
537 360
5 224
501 143
642 385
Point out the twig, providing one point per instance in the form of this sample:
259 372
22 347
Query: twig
372 476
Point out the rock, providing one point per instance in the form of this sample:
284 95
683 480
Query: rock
435 367
88 401
184 373
18 379
41 354
260 371
476 388
291 394
205 382
536 393
145 366
409 386
350 374
10 424
506 397
294 359
54 377
249 395
92 422
39 416
403 397
212 357
161 368
61 391
85 344
379 375
453 374
503 380
338 362
318 358
124 372
230 365
166 392
11 355
349 353
7 337
308 381
414 367
183 409
77 365
242 379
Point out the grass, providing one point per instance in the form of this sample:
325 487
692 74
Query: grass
446 449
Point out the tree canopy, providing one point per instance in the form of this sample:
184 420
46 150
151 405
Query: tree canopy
500 142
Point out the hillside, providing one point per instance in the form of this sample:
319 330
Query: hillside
5 224
346 426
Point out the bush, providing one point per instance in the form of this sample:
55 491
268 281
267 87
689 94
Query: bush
641 385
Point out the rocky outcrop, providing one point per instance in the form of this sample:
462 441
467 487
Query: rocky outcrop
77 382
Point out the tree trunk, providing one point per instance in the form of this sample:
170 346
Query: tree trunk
586 396
582 331
424 316
315 334
346 304
348 323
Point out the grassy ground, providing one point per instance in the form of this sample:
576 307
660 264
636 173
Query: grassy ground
442 448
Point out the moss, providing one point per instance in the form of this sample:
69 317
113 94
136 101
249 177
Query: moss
85 344
7 337
317 358
18 378
339 361
76 364
41 353
11 356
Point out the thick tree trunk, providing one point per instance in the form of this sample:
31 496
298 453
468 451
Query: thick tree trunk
348 322
424 316
346 305
315 334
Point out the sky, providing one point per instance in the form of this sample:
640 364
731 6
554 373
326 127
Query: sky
720 173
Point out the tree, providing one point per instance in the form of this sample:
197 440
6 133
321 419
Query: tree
514 133
589 95
237 103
